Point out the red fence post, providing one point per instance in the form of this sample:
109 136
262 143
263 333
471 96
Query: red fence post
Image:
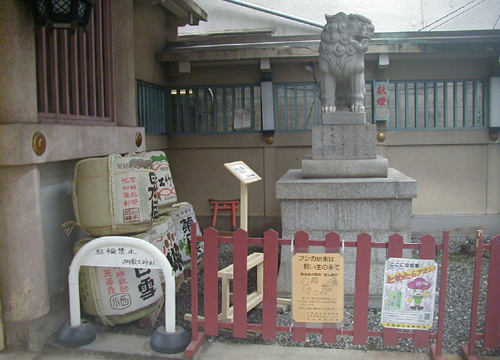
469 351
211 284
301 245
362 285
395 250
194 284
196 338
427 251
269 313
437 350
332 245
240 283
492 325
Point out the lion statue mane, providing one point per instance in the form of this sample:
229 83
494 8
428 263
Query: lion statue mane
344 40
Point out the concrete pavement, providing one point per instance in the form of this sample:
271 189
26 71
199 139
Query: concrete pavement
120 346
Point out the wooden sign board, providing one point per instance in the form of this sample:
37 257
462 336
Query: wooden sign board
242 172
381 100
246 176
318 287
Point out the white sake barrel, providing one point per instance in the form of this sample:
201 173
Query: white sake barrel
115 195
163 236
166 188
118 295
183 216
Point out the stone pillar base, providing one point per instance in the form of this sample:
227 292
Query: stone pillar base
377 206
344 142
362 168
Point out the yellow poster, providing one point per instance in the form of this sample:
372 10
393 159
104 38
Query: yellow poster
318 287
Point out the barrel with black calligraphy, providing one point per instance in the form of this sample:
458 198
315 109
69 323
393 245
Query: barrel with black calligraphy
163 236
183 216
165 183
115 195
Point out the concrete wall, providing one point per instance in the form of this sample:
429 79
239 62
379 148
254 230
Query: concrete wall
402 67
456 170
35 202
393 15
151 32
457 173
55 193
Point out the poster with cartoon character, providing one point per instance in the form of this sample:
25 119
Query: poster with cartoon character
409 293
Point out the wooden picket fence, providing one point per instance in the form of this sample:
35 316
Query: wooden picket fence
491 335
211 320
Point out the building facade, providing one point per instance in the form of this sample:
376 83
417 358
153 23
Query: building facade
207 83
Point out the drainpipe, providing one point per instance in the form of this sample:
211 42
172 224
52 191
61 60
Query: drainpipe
423 13
277 13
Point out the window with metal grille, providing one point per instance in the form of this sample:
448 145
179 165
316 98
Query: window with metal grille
429 104
213 109
436 104
151 107
75 72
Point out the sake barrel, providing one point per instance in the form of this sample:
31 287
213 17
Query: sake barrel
163 236
115 195
166 188
116 292
183 216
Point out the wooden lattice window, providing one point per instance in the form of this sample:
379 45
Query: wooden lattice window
75 72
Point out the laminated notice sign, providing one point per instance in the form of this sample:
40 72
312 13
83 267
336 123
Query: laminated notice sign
242 172
318 287
409 293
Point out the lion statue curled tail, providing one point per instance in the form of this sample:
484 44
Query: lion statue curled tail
344 40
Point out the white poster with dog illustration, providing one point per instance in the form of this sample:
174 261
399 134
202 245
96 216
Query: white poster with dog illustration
409 293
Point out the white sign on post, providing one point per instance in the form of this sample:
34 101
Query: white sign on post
246 176
242 172
121 251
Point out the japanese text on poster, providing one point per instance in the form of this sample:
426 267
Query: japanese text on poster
318 287
409 293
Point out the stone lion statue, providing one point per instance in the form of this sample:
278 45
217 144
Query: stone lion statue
344 40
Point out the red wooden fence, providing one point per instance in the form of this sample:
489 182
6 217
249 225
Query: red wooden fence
491 335
360 331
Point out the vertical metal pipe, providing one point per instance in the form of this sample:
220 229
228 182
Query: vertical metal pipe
396 101
445 104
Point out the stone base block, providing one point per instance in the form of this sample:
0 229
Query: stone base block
32 335
343 118
361 168
344 142
377 206
395 186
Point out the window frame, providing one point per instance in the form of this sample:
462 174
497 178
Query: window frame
75 72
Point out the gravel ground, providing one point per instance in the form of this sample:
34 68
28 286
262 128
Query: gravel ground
457 320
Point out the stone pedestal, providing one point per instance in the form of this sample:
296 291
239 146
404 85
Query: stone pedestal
345 187
377 206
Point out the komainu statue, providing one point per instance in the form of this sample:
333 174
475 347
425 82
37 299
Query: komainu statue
344 40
